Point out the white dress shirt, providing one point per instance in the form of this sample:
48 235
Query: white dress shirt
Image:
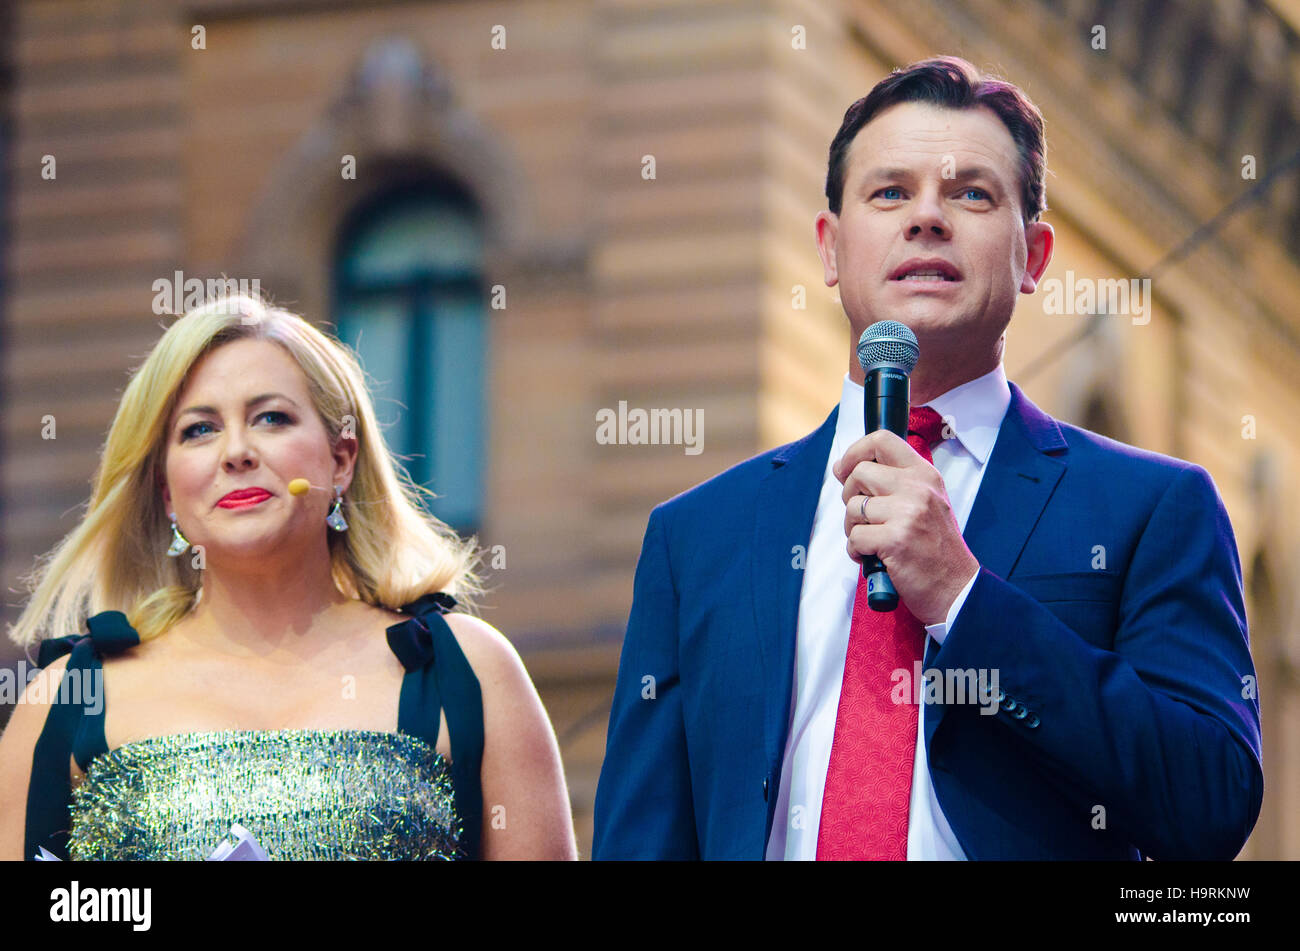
974 413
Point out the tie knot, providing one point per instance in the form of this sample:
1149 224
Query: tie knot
926 423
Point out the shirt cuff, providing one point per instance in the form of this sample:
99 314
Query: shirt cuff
940 629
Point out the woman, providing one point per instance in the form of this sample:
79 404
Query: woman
283 659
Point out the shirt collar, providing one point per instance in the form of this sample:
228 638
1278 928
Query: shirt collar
974 410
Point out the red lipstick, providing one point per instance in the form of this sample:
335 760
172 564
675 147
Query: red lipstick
244 498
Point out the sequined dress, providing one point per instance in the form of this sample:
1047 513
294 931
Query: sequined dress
303 794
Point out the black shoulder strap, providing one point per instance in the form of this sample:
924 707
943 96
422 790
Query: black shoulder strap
75 722
440 679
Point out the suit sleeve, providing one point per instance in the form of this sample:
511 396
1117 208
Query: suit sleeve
1163 731
644 808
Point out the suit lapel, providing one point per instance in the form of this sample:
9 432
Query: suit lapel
1015 489
787 505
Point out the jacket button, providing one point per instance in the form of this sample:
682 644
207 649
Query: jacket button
1009 705
1033 721
1021 712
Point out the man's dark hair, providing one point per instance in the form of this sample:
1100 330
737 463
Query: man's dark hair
951 82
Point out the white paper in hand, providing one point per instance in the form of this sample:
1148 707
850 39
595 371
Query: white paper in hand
245 848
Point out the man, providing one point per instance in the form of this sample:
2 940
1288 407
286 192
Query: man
1092 590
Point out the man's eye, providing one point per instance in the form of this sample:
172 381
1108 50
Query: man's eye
890 194
979 194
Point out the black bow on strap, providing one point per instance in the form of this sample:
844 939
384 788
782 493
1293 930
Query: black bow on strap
109 634
411 640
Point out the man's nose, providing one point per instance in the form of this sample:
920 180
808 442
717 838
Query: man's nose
926 217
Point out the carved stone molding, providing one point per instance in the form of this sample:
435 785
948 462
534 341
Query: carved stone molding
397 119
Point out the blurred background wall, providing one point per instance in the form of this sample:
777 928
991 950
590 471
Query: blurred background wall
522 213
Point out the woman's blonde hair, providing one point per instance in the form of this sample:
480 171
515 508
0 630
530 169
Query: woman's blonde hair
115 559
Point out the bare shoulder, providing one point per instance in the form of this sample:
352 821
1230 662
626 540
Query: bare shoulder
387 617
27 718
522 775
493 658
17 746
29 712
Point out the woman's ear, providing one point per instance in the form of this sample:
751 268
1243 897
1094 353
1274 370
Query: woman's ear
345 457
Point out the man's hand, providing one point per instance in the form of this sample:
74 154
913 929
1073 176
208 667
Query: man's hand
909 523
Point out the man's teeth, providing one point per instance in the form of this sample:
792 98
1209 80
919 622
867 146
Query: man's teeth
924 276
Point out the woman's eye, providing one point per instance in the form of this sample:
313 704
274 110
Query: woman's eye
189 432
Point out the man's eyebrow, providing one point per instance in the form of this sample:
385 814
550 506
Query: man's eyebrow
977 171
247 406
877 173
962 174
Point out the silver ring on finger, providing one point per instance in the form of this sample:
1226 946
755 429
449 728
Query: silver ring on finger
863 509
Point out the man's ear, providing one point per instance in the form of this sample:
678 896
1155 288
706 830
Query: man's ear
1039 240
827 226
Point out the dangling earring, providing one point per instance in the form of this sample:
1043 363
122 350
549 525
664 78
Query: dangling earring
335 519
179 543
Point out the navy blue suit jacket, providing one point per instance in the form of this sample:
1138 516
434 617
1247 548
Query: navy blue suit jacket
1128 726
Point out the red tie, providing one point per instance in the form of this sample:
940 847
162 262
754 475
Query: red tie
869 780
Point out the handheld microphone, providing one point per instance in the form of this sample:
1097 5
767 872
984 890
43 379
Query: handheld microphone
888 353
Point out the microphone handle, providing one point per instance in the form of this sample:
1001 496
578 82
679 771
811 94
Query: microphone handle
887 403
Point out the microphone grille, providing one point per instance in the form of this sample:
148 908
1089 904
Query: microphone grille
888 342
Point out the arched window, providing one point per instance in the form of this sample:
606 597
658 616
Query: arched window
408 297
